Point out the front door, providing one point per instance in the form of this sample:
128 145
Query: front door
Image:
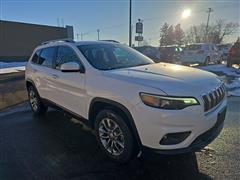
69 87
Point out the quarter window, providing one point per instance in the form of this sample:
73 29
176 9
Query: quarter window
46 57
64 55
36 56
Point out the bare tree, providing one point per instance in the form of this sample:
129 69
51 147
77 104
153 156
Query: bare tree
220 30
216 32
195 34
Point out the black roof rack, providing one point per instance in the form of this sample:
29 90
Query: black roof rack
58 40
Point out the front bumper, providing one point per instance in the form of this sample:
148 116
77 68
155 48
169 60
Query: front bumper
199 143
153 124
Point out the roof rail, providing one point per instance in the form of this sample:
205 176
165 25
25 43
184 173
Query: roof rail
59 40
110 41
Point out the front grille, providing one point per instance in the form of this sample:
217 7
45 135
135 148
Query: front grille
213 98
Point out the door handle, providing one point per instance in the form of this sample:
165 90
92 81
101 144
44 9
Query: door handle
54 76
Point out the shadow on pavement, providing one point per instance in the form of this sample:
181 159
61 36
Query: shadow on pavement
53 147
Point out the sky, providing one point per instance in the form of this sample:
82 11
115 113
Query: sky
111 16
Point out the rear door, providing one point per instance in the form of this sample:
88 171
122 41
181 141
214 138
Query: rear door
69 87
44 70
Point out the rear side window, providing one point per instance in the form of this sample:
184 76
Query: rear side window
65 54
36 56
46 57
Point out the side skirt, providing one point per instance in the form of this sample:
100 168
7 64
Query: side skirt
66 111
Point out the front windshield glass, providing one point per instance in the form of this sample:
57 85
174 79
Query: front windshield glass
113 56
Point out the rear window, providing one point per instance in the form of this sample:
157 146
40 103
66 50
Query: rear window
193 47
36 56
46 57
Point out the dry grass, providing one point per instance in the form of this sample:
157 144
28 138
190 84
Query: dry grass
12 89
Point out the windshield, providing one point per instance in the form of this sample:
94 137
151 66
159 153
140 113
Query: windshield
113 56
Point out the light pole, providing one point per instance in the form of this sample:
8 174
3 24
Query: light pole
130 23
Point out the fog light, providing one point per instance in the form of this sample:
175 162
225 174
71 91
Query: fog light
174 138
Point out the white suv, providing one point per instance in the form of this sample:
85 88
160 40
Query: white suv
202 53
133 104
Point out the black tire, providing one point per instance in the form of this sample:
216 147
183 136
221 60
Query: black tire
207 61
37 106
127 152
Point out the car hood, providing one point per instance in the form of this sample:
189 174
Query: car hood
169 78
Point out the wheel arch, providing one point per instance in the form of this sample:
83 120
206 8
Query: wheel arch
97 104
29 83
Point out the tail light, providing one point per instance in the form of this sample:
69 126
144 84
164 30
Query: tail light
200 51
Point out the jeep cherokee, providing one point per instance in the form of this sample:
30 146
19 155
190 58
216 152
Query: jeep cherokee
133 104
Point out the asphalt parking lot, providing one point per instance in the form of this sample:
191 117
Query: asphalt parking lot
55 147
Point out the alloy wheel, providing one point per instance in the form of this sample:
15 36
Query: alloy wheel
111 136
33 100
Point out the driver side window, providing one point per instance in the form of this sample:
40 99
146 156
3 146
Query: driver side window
65 54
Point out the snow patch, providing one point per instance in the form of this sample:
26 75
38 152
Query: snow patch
12 70
233 88
12 67
235 84
12 64
222 68
235 92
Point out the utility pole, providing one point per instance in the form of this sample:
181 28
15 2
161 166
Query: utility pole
98 31
82 35
58 23
62 20
209 12
130 23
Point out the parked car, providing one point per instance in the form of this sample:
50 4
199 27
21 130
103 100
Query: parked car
223 50
234 54
171 53
201 53
133 104
150 51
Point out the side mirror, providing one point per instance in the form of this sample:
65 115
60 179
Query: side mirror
71 67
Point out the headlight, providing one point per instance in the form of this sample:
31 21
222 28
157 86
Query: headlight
167 102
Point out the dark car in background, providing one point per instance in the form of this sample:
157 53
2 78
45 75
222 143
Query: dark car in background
171 54
234 54
150 51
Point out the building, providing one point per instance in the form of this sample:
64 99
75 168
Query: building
18 40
